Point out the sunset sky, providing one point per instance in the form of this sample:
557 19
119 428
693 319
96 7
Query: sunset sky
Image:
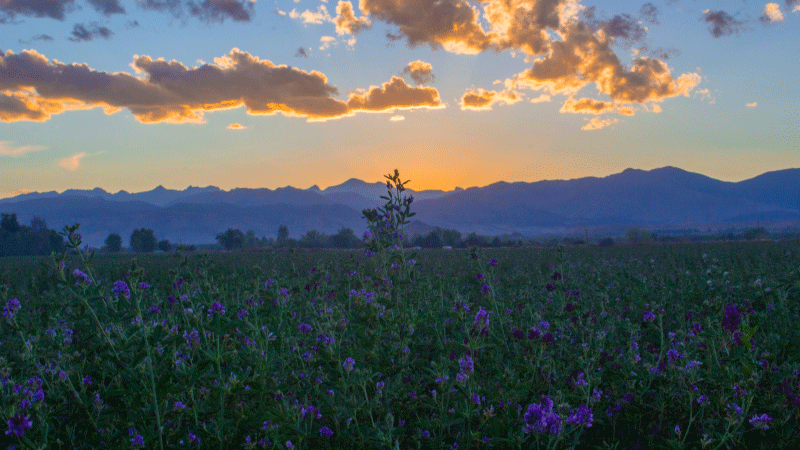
131 94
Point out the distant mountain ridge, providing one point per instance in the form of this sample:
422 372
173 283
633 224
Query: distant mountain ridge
666 196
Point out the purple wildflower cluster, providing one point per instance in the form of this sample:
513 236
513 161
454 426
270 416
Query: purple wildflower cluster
582 416
760 422
541 418
11 308
482 318
216 307
732 318
121 288
348 364
78 274
17 425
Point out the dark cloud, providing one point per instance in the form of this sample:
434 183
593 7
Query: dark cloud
107 7
420 72
132 24
38 37
451 24
219 10
172 6
649 12
721 23
82 34
626 27
662 53
301 52
55 9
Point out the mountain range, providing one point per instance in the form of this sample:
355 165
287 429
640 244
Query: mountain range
661 198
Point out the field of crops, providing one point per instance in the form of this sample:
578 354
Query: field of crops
672 346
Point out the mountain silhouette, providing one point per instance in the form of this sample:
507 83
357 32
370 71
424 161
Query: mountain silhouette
664 197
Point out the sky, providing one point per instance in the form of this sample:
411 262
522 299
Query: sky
132 94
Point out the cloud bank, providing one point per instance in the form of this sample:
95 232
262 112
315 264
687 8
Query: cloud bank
33 88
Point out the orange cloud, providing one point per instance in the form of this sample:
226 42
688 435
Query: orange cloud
397 118
420 72
307 16
772 13
583 57
573 49
392 95
483 99
7 150
752 105
73 162
174 93
236 126
596 124
587 106
346 20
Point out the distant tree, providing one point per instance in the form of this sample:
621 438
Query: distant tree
313 239
113 243
9 223
283 236
473 240
451 237
756 233
250 240
38 225
231 239
432 240
143 241
345 238
165 246
638 236
606 242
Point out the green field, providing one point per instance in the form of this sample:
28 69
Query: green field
663 346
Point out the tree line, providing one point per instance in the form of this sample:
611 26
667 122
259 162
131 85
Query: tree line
20 240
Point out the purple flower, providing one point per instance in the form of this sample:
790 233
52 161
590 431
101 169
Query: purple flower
761 421
583 416
541 418
325 432
732 318
493 262
305 328
18 424
648 316
121 287
178 405
137 440
79 274
216 307
11 308
144 285
736 408
348 364
486 289
192 339
482 318
466 365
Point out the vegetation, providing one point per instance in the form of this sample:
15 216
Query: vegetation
18 240
143 240
679 346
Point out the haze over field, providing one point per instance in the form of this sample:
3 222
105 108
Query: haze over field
125 94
